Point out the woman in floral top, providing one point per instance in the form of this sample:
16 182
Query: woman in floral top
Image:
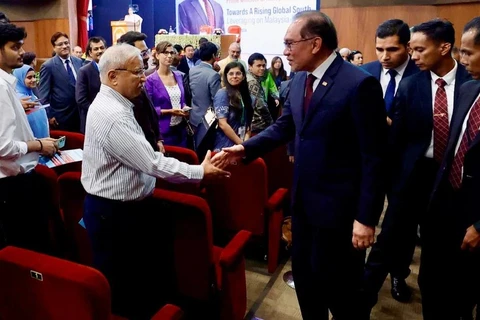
233 108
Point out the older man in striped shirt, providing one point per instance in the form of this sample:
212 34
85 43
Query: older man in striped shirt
119 172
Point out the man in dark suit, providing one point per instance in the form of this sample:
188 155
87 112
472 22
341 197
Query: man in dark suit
391 68
58 77
336 114
394 63
189 60
192 14
451 230
88 80
423 109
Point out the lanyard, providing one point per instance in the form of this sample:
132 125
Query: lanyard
242 120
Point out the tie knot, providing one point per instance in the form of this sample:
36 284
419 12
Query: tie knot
440 82
392 73
67 61
311 79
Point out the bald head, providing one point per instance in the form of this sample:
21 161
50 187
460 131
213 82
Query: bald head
77 52
344 52
234 51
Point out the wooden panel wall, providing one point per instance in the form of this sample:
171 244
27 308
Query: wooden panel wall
459 15
39 34
356 26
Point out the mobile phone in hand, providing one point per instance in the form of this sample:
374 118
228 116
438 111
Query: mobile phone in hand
61 142
187 109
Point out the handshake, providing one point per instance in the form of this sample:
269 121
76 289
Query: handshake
213 167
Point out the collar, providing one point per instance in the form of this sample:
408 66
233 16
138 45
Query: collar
63 60
321 69
400 69
449 77
10 78
108 91
207 64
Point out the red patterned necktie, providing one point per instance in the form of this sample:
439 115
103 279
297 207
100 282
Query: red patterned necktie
210 15
440 121
308 92
469 135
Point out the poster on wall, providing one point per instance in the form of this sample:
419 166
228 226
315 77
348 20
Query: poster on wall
263 23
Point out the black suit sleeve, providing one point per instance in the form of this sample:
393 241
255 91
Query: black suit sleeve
279 133
82 91
45 84
368 113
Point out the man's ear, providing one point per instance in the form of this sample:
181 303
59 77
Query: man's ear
445 48
112 76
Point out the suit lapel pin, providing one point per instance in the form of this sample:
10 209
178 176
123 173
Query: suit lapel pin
324 83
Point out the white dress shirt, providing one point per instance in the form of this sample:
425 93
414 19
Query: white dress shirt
321 69
118 162
14 131
449 90
71 65
385 77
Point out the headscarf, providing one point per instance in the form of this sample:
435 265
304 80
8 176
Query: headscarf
21 74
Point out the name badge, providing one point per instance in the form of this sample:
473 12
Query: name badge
241 132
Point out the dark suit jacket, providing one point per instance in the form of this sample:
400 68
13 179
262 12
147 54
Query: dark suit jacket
339 146
88 85
56 90
469 212
375 69
191 16
183 66
412 123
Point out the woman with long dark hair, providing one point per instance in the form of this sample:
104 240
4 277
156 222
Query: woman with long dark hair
277 71
233 107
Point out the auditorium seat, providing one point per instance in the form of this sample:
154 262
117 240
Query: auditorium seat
73 140
183 155
211 276
41 287
71 197
242 203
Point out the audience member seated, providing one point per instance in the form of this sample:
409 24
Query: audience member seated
355 58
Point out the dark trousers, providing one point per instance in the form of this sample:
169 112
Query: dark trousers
393 251
449 277
327 270
25 210
128 240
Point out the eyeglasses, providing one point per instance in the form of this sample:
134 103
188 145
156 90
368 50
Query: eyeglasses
61 44
290 44
238 74
169 53
30 77
139 73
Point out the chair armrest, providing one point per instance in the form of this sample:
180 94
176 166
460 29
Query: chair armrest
275 202
168 312
234 249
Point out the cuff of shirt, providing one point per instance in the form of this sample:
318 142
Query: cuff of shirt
196 172
22 146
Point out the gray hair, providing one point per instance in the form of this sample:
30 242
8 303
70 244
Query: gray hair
116 57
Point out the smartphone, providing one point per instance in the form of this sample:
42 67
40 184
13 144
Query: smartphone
187 109
61 142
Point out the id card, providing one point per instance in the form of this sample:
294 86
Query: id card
241 133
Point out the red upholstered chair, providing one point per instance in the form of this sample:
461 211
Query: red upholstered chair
242 203
206 29
71 196
205 273
280 170
73 140
41 287
187 156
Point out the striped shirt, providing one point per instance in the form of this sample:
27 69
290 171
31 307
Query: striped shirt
118 162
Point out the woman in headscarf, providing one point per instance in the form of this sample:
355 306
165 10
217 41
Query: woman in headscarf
37 119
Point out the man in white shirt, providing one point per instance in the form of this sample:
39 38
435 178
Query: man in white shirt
23 206
451 230
119 173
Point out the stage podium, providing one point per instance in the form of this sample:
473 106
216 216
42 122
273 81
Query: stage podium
119 28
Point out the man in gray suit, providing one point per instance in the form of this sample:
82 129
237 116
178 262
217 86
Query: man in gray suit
58 77
204 84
